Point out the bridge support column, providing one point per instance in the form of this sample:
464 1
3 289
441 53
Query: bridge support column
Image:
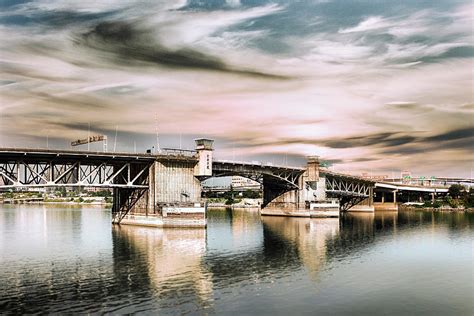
386 202
173 198
292 202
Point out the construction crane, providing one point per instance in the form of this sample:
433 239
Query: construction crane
91 139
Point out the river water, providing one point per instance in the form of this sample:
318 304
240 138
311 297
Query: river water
57 259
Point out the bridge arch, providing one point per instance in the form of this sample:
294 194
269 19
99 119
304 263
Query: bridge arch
275 180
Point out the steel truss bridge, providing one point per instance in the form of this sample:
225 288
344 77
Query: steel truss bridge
277 180
126 174
349 189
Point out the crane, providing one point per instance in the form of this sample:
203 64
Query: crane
91 139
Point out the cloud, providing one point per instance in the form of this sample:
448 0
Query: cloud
376 86
457 134
369 24
127 44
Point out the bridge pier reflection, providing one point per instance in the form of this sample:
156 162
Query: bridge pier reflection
310 236
169 257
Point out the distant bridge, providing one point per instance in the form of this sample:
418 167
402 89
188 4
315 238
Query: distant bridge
432 181
412 188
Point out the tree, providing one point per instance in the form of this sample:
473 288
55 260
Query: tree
456 190
469 198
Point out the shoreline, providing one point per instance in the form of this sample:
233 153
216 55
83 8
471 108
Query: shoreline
433 209
60 203
237 206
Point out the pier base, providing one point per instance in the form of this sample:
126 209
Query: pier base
386 206
362 208
319 213
186 217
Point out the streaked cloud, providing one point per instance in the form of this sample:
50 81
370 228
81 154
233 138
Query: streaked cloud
369 86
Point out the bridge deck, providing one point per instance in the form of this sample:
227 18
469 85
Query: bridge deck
415 188
74 155
257 165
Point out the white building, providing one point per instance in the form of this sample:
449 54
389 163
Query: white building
242 182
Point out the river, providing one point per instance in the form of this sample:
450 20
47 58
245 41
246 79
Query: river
59 259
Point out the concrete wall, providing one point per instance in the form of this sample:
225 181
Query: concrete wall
388 206
287 201
169 179
291 200
175 182
319 194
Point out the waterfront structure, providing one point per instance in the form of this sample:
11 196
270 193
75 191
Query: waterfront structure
242 183
165 189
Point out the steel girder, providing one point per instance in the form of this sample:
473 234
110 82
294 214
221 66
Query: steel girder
350 190
20 174
127 177
347 187
288 177
275 180
124 200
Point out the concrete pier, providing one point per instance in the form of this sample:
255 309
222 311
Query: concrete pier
190 217
174 195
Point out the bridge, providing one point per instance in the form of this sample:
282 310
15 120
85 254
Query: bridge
432 181
169 184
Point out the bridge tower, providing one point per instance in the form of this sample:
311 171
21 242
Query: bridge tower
204 150
312 168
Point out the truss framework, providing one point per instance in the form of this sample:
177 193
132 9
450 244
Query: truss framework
347 187
124 201
350 191
346 202
26 174
128 176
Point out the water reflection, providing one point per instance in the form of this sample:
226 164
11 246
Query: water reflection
168 261
71 260
308 236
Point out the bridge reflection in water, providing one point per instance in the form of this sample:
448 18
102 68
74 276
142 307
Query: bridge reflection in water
242 263
308 236
172 261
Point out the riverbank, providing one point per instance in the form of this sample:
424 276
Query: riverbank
243 203
434 209
105 204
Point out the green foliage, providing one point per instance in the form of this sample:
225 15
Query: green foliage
102 193
437 204
468 198
61 192
453 203
456 190
459 196
251 194
8 195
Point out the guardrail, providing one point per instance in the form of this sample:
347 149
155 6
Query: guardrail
178 152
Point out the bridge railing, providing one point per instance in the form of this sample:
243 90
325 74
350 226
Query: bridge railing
178 152
256 163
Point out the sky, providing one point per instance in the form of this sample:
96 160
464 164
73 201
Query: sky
369 86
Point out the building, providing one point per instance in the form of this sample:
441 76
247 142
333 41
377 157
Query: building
244 183
374 177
